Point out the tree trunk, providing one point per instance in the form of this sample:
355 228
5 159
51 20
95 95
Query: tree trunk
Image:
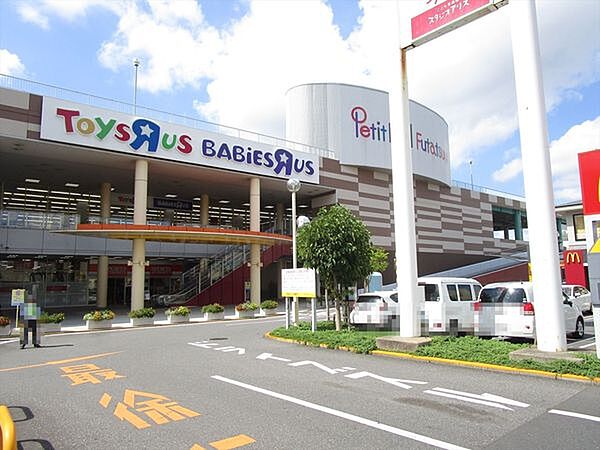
338 315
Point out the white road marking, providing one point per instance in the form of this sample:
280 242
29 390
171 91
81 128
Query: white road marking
265 356
470 398
8 342
484 396
344 415
393 381
574 414
587 345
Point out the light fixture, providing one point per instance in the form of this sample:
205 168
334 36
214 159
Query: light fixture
73 185
31 180
171 195
246 204
302 206
269 207
223 202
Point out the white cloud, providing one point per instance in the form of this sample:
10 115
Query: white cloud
174 44
467 76
31 14
508 171
10 64
563 155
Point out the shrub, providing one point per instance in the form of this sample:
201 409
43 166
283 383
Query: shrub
4 321
247 306
106 314
51 318
142 313
269 304
178 311
214 308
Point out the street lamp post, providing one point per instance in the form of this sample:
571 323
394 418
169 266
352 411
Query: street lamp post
471 171
136 64
293 186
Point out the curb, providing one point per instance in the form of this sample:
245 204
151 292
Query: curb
456 362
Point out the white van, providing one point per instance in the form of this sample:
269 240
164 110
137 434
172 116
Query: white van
449 298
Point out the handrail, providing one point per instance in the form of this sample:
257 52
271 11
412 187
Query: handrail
8 435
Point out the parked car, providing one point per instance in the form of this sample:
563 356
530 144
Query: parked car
375 309
448 298
507 309
580 296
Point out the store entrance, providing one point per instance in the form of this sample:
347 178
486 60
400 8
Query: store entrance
116 291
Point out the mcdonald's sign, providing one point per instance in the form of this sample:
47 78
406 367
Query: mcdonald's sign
589 174
572 258
574 269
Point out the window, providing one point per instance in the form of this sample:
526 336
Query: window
465 292
432 293
394 297
452 292
477 289
503 295
579 291
579 226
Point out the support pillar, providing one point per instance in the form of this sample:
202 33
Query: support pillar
255 248
518 225
537 177
102 280
138 263
279 214
204 210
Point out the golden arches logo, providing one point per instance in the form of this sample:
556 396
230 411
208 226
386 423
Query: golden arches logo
572 258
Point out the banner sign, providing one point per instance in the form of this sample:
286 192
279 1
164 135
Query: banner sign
298 283
589 174
448 16
171 203
85 125
574 268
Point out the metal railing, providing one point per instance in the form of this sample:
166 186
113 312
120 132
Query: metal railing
34 87
38 220
474 187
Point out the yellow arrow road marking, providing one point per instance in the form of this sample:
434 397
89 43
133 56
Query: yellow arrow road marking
62 361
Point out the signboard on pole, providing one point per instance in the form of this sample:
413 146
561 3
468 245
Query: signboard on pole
17 297
449 15
298 283
589 175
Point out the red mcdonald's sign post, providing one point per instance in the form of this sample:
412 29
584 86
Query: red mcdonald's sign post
574 269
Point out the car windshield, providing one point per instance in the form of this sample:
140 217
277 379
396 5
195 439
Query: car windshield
566 290
502 295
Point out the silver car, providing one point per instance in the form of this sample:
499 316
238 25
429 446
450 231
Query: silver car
579 296
375 310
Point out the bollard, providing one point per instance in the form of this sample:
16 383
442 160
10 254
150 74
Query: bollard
8 437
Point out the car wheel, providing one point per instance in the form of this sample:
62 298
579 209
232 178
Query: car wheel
579 328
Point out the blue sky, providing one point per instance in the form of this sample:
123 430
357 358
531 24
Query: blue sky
232 61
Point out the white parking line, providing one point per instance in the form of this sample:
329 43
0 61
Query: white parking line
8 342
587 345
344 415
574 414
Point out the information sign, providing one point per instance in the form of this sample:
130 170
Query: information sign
298 283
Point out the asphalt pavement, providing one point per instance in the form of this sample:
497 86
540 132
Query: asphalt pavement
223 385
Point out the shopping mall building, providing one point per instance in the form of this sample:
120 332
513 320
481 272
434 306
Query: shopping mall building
105 203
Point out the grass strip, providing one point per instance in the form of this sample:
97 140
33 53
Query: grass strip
468 348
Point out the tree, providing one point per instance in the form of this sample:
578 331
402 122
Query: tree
379 261
338 245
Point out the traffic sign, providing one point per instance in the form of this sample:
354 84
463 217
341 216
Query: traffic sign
596 247
17 297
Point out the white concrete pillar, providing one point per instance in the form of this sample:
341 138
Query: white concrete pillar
255 248
102 280
537 177
279 214
140 200
204 210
